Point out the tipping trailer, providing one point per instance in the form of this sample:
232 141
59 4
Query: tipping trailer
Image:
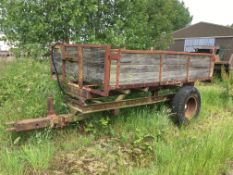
97 78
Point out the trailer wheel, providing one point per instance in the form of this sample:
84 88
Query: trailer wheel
186 104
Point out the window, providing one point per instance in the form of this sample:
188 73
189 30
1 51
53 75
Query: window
191 44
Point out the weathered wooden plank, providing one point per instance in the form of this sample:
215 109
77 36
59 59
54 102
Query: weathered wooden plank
171 77
135 68
137 75
88 56
167 68
198 66
132 81
198 73
175 61
93 64
132 65
206 63
155 78
94 54
137 78
139 59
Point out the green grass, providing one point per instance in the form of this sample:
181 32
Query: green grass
10 162
38 156
141 140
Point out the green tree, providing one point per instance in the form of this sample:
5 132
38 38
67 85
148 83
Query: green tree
134 24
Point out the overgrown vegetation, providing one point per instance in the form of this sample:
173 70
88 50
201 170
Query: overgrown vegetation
227 80
140 140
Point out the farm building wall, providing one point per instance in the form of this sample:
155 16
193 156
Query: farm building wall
225 44
226 47
177 45
222 36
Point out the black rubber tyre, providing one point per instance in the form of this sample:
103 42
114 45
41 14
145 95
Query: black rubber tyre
186 104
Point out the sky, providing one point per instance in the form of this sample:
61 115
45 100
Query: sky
213 11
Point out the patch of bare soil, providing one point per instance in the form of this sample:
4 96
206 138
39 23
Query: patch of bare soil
106 156
231 171
6 59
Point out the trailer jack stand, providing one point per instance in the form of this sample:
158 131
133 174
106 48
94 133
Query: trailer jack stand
50 121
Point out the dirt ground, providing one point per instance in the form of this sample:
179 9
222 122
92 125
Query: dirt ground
6 58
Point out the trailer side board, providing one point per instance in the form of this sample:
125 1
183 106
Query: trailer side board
156 68
93 63
98 69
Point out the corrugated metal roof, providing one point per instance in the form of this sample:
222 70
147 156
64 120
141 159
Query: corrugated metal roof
204 29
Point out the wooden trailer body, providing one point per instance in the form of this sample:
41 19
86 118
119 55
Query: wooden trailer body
98 69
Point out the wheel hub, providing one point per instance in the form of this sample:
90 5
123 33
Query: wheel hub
190 108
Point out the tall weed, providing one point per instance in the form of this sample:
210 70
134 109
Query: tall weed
227 80
10 162
37 157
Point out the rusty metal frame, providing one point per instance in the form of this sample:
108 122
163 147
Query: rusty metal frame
117 57
158 52
51 120
59 121
107 65
76 92
119 104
